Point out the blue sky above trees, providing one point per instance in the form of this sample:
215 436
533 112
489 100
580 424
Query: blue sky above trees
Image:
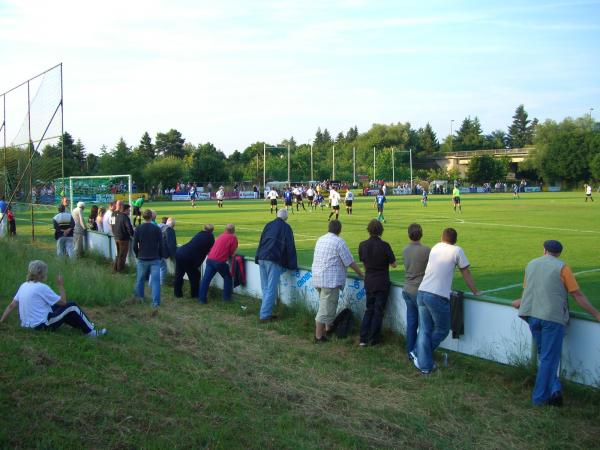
235 72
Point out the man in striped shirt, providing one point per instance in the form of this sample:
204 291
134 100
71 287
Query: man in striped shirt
330 261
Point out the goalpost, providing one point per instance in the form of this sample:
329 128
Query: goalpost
99 188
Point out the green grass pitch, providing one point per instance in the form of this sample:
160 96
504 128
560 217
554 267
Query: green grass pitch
498 233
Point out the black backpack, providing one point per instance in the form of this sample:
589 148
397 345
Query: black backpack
342 324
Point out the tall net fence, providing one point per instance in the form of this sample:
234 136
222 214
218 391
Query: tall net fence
31 130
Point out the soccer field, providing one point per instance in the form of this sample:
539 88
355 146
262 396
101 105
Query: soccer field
500 235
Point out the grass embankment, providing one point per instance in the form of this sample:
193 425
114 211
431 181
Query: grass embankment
213 377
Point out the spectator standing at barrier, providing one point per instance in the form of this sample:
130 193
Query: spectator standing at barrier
433 297
63 232
147 246
80 229
43 309
330 261
170 247
276 252
123 232
544 306
92 218
188 259
107 218
100 220
3 221
113 219
216 262
12 225
377 256
415 256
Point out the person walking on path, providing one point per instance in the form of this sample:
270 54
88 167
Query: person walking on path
544 306
276 252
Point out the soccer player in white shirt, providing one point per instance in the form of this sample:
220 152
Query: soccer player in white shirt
220 195
349 199
272 195
334 201
588 192
310 194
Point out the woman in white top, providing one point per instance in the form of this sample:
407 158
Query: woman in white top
41 308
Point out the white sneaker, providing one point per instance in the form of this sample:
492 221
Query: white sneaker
97 333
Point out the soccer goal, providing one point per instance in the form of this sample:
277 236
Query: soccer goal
98 189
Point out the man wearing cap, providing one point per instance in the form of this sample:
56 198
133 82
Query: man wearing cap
276 252
544 306
79 230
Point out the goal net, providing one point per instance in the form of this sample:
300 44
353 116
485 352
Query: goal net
97 189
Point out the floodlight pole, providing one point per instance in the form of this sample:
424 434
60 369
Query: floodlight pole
311 163
289 171
264 166
62 134
451 135
393 169
353 165
333 163
374 166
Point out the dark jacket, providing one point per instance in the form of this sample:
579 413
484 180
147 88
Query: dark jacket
194 252
122 230
147 242
170 242
277 245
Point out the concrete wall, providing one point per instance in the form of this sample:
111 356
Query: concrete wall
493 330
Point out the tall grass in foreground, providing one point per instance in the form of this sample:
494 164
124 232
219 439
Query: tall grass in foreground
88 281
212 376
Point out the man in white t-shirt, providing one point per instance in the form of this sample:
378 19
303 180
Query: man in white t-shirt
433 297
334 201
310 194
272 196
107 219
41 308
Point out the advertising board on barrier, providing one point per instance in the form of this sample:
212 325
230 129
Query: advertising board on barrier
401 191
553 188
533 189
105 198
247 194
186 197
125 196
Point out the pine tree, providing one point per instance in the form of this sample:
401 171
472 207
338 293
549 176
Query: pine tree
520 133
146 148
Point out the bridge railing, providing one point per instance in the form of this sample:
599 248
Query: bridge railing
493 152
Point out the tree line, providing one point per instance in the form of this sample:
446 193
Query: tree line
566 151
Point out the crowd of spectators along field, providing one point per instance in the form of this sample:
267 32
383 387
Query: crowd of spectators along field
427 289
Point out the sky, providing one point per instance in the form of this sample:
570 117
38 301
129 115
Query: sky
237 72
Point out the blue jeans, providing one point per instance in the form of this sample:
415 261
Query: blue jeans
412 320
269 281
434 326
548 338
212 268
145 269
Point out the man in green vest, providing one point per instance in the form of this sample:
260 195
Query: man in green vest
544 306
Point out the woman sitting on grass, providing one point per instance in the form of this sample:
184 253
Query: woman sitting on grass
41 308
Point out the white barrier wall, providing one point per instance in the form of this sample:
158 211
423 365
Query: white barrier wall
493 330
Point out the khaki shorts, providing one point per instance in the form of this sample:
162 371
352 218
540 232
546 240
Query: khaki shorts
328 302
